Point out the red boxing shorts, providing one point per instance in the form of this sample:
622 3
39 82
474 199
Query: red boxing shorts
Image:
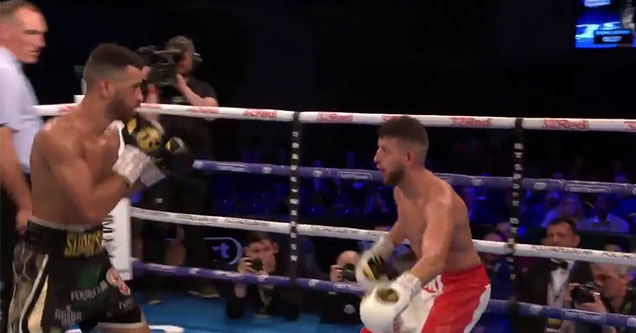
450 303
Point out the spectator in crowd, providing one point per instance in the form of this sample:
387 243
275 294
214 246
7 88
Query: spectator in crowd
626 207
546 282
478 210
570 206
603 220
261 259
342 308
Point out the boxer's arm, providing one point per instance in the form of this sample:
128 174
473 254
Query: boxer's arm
436 240
63 156
396 234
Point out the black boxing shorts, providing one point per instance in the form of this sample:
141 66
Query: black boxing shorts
63 278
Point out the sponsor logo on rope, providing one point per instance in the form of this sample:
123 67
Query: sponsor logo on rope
539 186
476 181
355 175
151 105
317 173
259 113
386 117
535 309
631 322
334 117
581 125
574 314
229 275
267 170
231 167
587 188
347 286
203 109
313 282
471 122
630 125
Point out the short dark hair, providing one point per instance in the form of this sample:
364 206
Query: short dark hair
181 43
257 236
407 129
9 8
107 58
566 220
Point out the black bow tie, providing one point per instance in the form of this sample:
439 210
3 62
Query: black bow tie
555 264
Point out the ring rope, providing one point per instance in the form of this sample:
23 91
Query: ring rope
537 184
294 196
563 124
521 250
494 306
515 214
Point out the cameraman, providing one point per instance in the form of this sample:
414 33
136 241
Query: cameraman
342 308
612 293
184 193
261 259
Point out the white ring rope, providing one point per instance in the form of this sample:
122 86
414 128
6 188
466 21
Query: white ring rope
522 250
566 124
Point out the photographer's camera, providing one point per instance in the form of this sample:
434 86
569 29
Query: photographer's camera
584 293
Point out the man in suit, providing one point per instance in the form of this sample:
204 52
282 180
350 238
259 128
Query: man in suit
546 282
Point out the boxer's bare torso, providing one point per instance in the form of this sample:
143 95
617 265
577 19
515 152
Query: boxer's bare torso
414 215
65 146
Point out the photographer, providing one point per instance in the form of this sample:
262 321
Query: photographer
342 308
260 259
610 293
169 80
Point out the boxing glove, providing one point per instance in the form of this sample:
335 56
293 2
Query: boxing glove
371 267
174 156
381 308
147 155
146 135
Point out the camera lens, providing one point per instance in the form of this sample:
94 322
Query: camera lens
257 264
349 272
583 294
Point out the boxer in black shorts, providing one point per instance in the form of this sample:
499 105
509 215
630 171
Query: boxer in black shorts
83 164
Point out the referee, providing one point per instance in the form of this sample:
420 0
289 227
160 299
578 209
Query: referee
22 31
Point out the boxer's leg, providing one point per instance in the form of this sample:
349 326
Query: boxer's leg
133 321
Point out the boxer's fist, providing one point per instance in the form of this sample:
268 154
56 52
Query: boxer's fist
148 155
371 268
147 135
381 308
173 156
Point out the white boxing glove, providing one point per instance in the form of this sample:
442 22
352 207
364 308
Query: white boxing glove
371 268
381 308
131 164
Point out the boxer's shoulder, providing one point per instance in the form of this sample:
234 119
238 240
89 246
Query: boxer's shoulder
58 133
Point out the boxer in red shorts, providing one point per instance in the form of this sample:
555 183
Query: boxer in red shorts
447 289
